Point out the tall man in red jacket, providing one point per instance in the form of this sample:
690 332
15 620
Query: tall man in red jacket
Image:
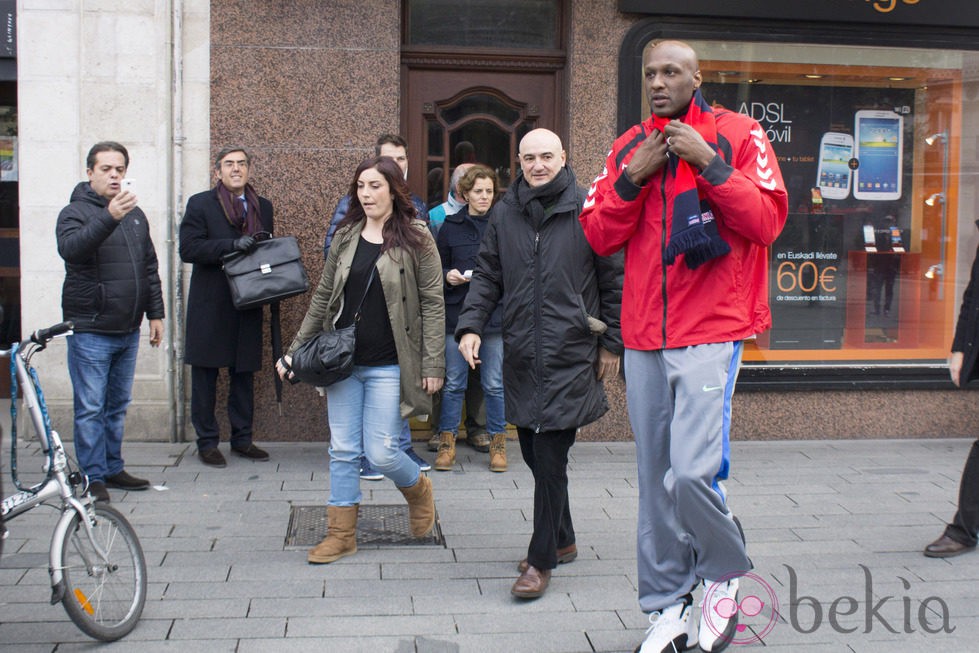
695 197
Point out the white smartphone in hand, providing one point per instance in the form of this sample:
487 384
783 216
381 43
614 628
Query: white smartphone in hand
468 274
128 184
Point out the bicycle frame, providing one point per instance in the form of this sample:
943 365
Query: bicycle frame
59 483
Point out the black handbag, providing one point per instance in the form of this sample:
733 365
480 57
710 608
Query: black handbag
271 272
328 357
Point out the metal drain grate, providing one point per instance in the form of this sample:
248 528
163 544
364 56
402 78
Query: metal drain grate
377 525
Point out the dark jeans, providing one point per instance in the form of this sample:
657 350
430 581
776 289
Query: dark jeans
241 406
546 454
965 524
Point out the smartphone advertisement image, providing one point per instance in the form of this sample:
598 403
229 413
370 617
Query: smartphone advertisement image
834 174
879 154
846 162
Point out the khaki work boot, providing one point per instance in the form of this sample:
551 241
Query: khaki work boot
341 536
498 453
421 506
446 456
434 442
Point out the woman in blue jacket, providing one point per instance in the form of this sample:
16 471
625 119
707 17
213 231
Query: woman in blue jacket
458 243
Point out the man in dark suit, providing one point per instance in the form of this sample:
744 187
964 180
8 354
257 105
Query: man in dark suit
219 221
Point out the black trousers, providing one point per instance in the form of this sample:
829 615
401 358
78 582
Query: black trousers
546 454
241 406
965 524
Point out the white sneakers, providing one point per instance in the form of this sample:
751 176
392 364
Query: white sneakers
718 614
671 630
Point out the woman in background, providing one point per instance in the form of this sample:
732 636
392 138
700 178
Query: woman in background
458 245
383 255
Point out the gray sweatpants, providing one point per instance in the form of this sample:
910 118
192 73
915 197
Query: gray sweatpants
680 411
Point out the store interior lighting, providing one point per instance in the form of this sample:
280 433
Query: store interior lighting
937 137
935 198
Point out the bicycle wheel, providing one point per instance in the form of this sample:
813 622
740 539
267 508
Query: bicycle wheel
104 600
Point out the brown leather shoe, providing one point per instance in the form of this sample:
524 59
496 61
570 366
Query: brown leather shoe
946 547
565 555
212 457
252 453
532 583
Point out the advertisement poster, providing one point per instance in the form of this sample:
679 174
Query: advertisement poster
845 155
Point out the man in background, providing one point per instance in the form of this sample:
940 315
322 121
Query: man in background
227 218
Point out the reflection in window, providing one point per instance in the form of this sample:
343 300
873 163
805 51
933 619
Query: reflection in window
867 269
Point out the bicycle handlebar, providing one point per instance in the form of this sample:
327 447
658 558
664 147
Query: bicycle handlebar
43 336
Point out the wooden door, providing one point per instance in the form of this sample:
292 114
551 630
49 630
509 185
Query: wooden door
460 116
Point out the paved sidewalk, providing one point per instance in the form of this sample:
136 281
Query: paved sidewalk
829 526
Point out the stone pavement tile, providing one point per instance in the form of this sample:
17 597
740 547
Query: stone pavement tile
443 590
569 642
894 538
168 608
295 588
492 603
165 646
515 538
542 624
232 557
377 554
941 570
623 600
57 627
248 628
331 607
375 626
396 570
615 641
757 535
184 573
362 644
300 568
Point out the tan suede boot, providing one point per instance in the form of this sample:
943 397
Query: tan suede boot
341 536
498 453
446 457
421 506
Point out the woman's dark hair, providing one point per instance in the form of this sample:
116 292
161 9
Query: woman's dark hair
479 171
398 231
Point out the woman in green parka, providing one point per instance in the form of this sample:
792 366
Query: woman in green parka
383 255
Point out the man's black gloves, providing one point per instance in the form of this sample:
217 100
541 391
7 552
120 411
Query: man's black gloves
245 244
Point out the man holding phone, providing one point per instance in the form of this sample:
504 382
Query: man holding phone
111 281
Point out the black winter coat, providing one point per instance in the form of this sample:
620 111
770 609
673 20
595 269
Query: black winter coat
549 281
111 270
218 334
458 243
966 338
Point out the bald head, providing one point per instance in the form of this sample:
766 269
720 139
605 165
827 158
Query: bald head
671 75
541 156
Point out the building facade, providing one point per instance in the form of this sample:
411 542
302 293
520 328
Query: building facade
870 106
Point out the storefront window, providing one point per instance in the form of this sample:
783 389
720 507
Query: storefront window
876 146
